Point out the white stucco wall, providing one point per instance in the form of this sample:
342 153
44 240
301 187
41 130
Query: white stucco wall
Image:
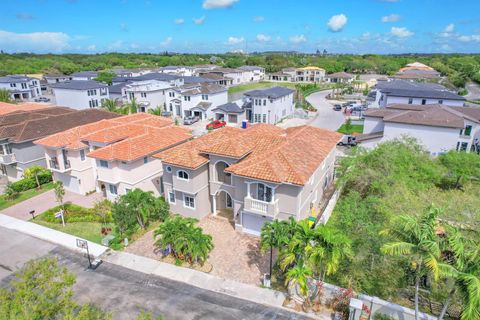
77 99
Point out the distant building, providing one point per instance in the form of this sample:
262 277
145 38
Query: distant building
80 94
230 112
148 94
84 75
308 74
21 87
56 78
417 71
253 73
269 105
340 77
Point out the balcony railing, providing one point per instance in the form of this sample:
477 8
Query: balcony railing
261 207
54 164
8 158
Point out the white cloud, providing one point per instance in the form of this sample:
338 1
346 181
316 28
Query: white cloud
471 38
259 19
92 47
401 32
200 20
263 37
179 21
34 42
391 18
449 28
234 40
218 4
337 22
166 42
298 39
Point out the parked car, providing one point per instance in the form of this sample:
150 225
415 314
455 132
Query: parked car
190 120
42 99
337 107
167 114
215 124
348 140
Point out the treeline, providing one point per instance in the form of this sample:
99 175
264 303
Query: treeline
458 68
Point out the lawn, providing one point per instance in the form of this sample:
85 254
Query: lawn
5 203
259 85
86 230
355 128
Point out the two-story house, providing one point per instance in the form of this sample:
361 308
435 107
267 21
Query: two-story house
253 73
148 94
309 74
438 128
56 78
412 92
19 130
252 175
340 77
84 75
178 70
21 87
269 105
196 99
112 156
80 94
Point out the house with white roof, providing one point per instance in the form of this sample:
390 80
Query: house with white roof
412 92
84 75
439 128
269 105
21 87
80 94
253 73
232 113
178 70
148 94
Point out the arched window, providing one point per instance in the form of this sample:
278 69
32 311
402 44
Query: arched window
182 175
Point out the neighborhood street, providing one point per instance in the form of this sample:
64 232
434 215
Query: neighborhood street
125 292
326 117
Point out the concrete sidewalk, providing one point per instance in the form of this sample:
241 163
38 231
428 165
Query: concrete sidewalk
50 235
46 200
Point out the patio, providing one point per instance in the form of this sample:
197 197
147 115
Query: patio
236 256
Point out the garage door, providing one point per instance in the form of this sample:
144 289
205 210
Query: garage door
69 183
253 223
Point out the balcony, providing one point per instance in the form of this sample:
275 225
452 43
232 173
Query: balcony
7 158
261 207
55 166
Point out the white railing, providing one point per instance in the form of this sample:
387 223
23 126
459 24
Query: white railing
261 207
7 158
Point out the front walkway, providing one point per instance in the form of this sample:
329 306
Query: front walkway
46 200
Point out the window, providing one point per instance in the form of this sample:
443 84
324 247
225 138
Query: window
264 118
467 131
113 188
182 175
440 101
145 160
82 155
171 197
103 164
264 102
410 100
189 201
186 98
464 146
171 94
204 96
424 101
264 192
143 94
169 169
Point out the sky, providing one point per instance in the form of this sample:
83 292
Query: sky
217 26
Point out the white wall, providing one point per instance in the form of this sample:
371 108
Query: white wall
372 124
77 99
404 100
275 110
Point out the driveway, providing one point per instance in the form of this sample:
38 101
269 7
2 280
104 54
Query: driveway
326 117
473 89
126 292
46 200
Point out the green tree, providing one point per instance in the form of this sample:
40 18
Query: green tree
103 209
461 165
59 193
156 111
348 126
33 173
274 234
110 105
106 77
416 239
299 275
5 96
131 107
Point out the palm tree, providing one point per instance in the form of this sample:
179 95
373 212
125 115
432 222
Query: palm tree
295 251
5 96
156 111
417 240
299 275
33 172
274 234
131 107
110 105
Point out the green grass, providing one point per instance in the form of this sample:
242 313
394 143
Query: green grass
5 203
86 230
356 128
259 85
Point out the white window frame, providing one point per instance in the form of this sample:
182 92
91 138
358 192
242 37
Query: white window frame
185 202
102 162
181 178
174 197
114 187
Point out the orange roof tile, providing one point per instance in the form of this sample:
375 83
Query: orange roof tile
10 107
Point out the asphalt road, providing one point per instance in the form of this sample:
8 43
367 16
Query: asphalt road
326 117
125 292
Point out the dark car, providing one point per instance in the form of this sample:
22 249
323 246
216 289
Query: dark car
337 107
215 124
190 120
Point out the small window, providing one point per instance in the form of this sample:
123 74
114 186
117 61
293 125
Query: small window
264 102
103 164
264 118
182 175
468 131
82 155
440 101
189 201
168 168
424 101
145 160
410 101
171 197
113 188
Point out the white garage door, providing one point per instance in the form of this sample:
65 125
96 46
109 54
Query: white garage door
69 183
253 223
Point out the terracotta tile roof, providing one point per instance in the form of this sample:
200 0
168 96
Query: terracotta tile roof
269 153
115 133
6 108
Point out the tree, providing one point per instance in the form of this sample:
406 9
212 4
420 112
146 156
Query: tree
5 96
299 275
110 105
156 111
416 239
105 76
103 209
131 107
42 289
274 234
348 126
33 172
461 165
59 193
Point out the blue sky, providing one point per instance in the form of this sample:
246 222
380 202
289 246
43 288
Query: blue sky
209 26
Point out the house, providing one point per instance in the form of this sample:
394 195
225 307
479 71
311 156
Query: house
174 80
112 156
412 92
417 71
269 105
148 94
439 128
308 74
250 176
80 94
281 76
253 73
21 87
116 92
84 75
136 72
230 112
340 77
20 129
238 76
218 79
56 78
178 70
197 99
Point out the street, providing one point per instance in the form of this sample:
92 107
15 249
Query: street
126 292
326 117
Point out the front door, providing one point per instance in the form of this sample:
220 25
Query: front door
228 201
177 110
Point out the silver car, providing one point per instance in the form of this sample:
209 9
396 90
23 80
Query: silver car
42 99
190 120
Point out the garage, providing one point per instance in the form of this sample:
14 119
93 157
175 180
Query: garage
253 223
69 183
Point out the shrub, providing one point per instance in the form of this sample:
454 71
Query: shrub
73 213
30 183
10 193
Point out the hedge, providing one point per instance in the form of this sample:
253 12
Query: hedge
73 213
30 183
